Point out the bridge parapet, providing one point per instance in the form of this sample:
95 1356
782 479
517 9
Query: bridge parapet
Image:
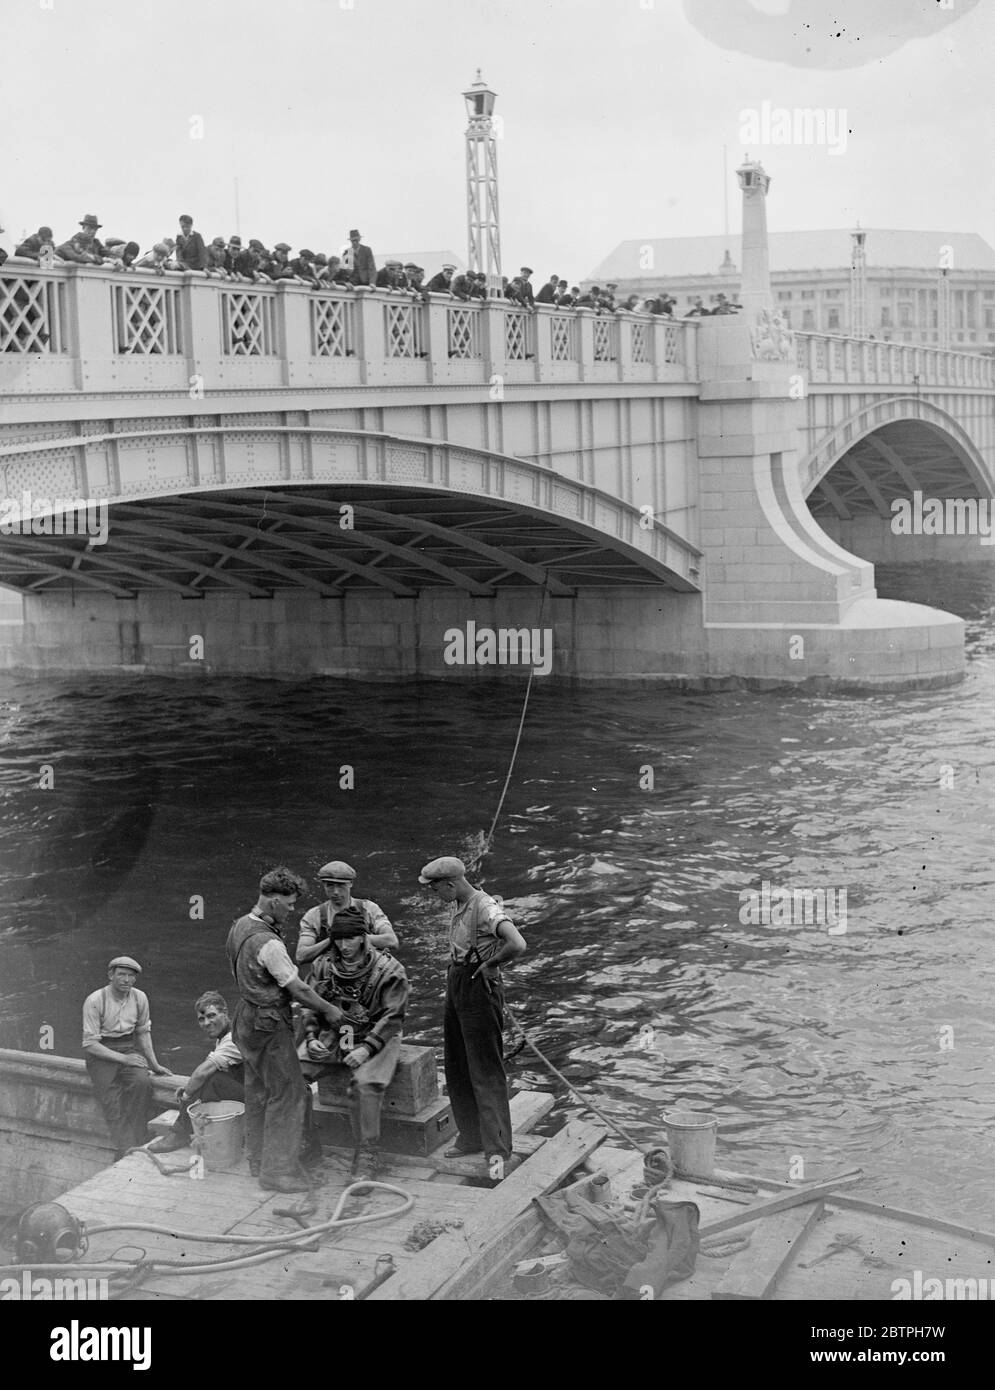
75 328
831 360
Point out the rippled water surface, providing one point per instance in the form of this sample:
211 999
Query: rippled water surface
869 1048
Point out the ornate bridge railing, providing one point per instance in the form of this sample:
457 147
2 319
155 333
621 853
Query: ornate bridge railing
94 329
835 361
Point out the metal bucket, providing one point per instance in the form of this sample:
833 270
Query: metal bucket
218 1131
692 1143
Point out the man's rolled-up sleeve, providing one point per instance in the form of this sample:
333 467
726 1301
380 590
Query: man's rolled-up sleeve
274 957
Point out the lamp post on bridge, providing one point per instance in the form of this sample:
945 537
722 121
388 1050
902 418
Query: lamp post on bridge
483 228
858 284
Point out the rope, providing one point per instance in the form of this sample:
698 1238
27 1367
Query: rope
518 738
527 1041
264 1249
584 1100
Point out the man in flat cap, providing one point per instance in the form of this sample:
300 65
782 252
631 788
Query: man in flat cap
440 283
549 291
31 247
525 291
315 939
117 1049
191 253
481 937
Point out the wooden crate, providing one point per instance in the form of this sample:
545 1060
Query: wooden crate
419 1134
415 1084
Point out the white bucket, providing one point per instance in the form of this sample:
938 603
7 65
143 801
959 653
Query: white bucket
218 1131
691 1138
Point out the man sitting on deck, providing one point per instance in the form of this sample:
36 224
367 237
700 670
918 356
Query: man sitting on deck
117 1043
371 989
219 1076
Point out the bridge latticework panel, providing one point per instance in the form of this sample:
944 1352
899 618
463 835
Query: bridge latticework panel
404 330
32 315
248 324
565 341
605 340
640 353
333 332
519 337
146 319
464 332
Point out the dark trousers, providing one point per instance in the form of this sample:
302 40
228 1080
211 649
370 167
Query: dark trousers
124 1093
274 1090
221 1086
473 1027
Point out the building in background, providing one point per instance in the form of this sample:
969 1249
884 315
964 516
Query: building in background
811 275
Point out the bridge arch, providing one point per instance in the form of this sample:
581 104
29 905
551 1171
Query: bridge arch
254 507
889 449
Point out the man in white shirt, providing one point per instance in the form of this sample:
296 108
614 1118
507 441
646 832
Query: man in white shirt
219 1077
313 943
481 936
117 1047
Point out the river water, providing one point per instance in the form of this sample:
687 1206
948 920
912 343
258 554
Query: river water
869 1047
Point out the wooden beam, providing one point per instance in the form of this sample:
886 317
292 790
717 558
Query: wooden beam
790 1199
755 1271
423 1276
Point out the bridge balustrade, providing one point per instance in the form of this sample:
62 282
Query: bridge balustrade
832 361
96 329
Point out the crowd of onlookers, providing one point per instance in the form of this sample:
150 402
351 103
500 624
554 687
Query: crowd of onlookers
354 266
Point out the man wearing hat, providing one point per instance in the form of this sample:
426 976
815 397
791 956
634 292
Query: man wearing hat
83 248
441 282
315 939
371 989
31 247
391 277
525 291
481 936
549 291
191 253
303 266
117 1048
359 260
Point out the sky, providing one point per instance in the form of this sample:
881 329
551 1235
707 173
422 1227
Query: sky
614 117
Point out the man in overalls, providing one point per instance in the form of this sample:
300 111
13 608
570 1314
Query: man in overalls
117 1045
268 982
481 937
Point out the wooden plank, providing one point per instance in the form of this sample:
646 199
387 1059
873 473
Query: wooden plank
755 1271
528 1108
475 1165
426 1272
776 1204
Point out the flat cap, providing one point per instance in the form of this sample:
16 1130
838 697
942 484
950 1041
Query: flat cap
448 266
527 270
281 246
337 871
446 867
126 963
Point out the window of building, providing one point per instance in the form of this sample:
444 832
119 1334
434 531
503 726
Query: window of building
885 290
786 315
834 320
885 316
833 294
808 294
784 294
989 316
905 315
808 320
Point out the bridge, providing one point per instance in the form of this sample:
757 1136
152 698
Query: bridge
326 481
